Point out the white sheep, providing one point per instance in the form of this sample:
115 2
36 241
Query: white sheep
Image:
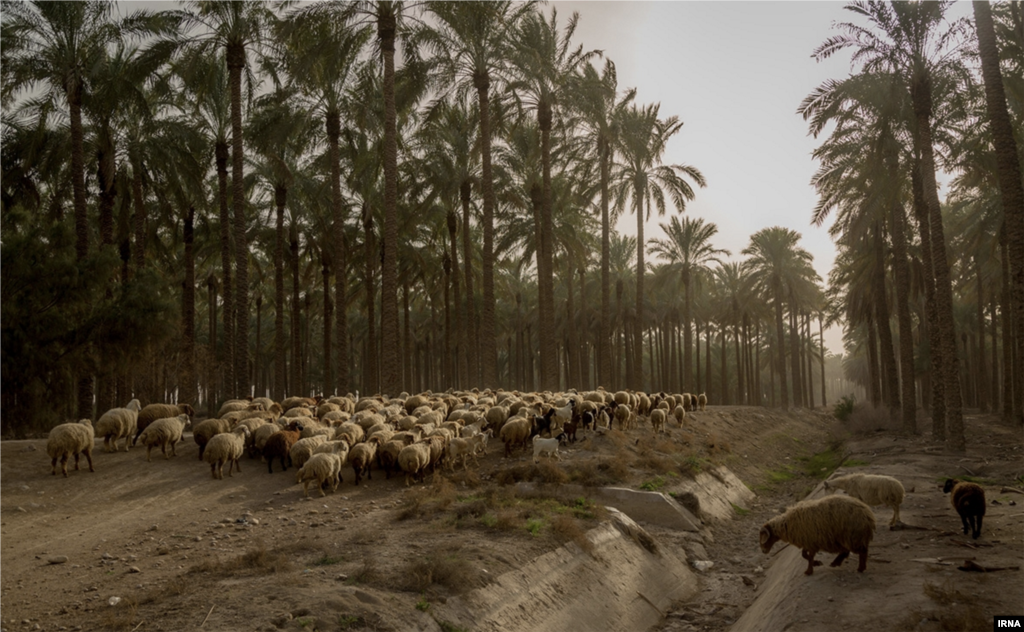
414 459
226 447
658 417
702 401
872 489
118 423
70 439
835 524
164 432
302 449
550 446
324 467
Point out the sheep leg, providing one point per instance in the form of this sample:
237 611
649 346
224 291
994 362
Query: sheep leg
811 562
148 449
270 466
88 457
213 470
977 530
840 559
863 564
64 465
238 466
963 519
163 449
53 466
305 488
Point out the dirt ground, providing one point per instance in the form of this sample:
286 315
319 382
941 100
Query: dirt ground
162 546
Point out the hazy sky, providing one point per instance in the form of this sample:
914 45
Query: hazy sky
734 73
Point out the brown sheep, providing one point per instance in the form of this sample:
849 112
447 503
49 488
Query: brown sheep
835 524
206 430
279 446
151 413
969 501
515 432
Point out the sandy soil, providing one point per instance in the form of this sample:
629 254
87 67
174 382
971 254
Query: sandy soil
174 549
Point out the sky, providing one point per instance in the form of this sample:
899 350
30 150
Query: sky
734 72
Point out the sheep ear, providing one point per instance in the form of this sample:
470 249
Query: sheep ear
766 534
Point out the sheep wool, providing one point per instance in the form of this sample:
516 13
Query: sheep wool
226 447
872 489
70 439
969 501
117 424
323 467
164 432
834 524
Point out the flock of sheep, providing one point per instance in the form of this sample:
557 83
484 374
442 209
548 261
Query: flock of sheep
416 434
413 434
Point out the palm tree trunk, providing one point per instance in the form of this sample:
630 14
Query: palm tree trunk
236 62
333 122
725 378
780 346
739 364
637 383
295 385
888 354
188 315
460 374
573 366
585 330
257 363
687 333
325 262
488 343
901 273
446 367
938 400
1006 318
875 390
211 365
696 327
1010 186
370 384
473 322
545 271
794 351
386 26
994 382
821 336
407 339
280 385
983 384
604 359
922 100
707 358
84 386
226 355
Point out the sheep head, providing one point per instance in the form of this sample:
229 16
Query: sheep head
768 539
950 484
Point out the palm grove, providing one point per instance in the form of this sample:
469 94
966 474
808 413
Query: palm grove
240 197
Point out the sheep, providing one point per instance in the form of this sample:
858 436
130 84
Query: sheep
680 414
872 489
564 414
702 401
835 524
516 431
260 436
459 449
414 459
292 402
361 457
232 405
226 447
472 429
279 445
302 449
550 446
969 501
387 455
658 418
623 415
299 411
164 432
151 413
324 467
209 428
70 439
689 402
118 423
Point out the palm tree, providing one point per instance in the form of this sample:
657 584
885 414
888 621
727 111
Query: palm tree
775 264
643 140
471 42
688 249
322 51
905 40
236 27
205 83
596 102
1009 178
544 59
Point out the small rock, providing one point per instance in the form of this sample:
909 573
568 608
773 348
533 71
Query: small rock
255 520
113 601
342 577
107 556
703 565
153 528
58 559
21 509
747 580
134 569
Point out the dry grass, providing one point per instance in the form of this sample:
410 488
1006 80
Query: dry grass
439 568
957 611
566 528
123 616
258 560
716 445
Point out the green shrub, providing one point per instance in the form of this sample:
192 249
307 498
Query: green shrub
844 408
